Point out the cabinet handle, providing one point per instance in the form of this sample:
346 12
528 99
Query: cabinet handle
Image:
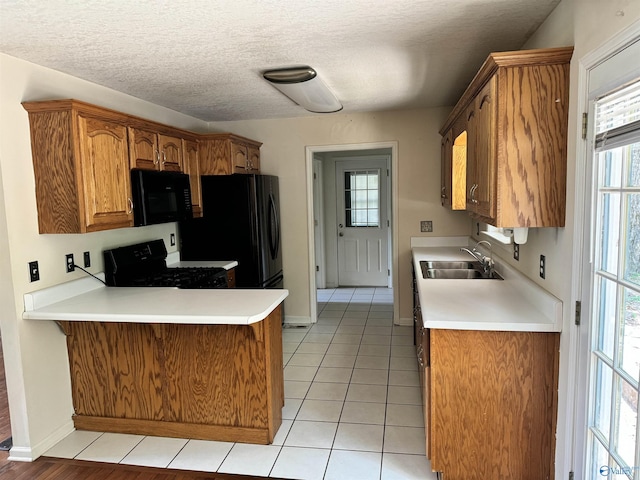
157 160
130 204
420 353
164 157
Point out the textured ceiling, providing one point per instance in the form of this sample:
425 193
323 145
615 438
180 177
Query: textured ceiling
204 57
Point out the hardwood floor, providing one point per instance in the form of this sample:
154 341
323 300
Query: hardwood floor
46 468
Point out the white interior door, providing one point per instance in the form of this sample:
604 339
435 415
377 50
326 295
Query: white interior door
363 222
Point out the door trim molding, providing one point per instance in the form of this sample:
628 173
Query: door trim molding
573 456
309 153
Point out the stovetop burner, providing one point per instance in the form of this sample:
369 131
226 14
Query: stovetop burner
144 265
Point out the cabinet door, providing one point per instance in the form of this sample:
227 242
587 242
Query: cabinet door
192 167
239 158
253 155
485 150
143 149
471 152
446 173
170 153
106 184
425 375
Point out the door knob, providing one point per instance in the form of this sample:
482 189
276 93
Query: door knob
341 234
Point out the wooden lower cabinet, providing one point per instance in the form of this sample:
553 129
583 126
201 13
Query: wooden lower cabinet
492 404
208 382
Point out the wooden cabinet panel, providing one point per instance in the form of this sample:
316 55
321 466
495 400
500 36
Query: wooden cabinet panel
231 278
82 156
143 149
493 404
532 169
81 165
170 153
481 164
151 150
192 167
226 153
105 173
209 382
253 156
515 114
101 362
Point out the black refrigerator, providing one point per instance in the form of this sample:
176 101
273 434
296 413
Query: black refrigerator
241 221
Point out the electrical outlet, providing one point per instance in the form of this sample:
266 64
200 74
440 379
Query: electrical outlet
542 266
516 252
172 239
70 263
426 226
87 259
34 271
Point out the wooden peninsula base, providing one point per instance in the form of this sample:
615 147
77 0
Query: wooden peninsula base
207 382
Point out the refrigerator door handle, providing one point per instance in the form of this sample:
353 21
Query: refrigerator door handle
274 228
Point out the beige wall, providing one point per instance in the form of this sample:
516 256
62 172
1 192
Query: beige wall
35 352
283 154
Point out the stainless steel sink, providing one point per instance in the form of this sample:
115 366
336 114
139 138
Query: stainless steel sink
456 270
459 273
447 265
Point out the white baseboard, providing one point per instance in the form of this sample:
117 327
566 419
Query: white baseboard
297 320
29 454
404 322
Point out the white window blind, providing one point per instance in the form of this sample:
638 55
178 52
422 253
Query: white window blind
618 118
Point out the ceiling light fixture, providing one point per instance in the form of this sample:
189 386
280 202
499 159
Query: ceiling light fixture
303 86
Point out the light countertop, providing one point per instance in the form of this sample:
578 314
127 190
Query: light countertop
513 304
173 261
89 300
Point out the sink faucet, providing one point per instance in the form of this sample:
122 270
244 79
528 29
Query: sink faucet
486 262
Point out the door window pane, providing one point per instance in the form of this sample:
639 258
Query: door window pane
627 417
599 461
602 404
362 198
632 239
629 357
610 231
633 159
606 318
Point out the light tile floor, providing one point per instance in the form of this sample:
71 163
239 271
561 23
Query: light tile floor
352 406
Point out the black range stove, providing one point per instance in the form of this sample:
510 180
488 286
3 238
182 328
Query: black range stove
145 265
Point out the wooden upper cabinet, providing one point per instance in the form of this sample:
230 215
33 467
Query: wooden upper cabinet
81 167
226 153
481 175
515 113
150 150
192 167
446 171
170 148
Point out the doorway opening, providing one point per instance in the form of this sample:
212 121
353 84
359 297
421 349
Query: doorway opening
352 239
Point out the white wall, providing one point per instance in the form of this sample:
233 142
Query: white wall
35 352
283 154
